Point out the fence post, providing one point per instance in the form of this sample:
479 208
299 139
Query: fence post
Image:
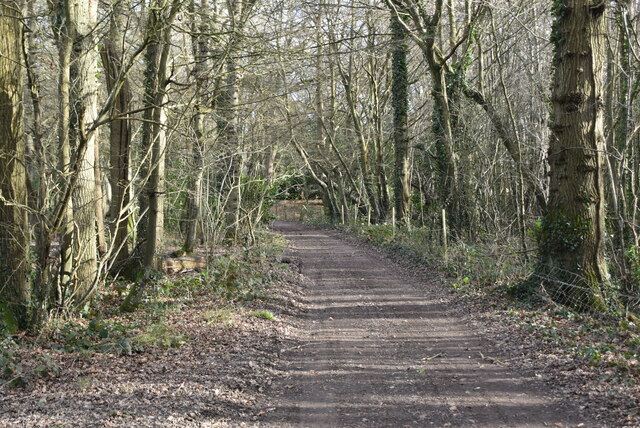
393 220
303 211
444 232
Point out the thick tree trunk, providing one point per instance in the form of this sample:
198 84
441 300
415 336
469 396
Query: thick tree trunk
83 18
151 230
14 226
120 133
40 181
400 104
65 47
158 66
74 29
572 240
157 188
200 50
443 130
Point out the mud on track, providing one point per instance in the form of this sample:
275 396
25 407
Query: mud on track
379 349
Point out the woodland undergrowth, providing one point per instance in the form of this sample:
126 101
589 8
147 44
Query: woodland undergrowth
236 283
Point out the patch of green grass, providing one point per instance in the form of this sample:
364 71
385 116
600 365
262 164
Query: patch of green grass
269 244
159 335
84 383
263 313
220 316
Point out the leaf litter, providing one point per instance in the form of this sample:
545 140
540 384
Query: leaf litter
203 362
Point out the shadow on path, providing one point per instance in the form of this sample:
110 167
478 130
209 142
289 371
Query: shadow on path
381 350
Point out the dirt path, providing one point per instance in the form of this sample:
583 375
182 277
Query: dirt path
383 350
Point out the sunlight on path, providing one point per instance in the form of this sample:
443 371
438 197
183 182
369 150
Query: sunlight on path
383 351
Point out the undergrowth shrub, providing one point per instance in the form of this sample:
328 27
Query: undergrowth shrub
632 284
10 370
98 335
467 267
242 274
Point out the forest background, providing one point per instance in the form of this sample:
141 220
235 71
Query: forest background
481 137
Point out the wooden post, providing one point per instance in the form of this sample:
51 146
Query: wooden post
393 219
303 212
369 217
444 232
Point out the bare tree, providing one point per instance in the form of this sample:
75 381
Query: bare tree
573 231
201 50
14 227
75 26
400 103
118 83
161 16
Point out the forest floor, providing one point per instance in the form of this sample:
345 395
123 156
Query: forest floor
356 341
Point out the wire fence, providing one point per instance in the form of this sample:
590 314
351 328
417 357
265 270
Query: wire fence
598 299
498 262
507 264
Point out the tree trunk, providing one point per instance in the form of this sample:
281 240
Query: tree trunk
120 133
158 66
400 104
99 202
82 22
65 47
14 226
74 26
200 50
40 181
154 137
510 143
443 132
228 127
572 259
377 109
37 156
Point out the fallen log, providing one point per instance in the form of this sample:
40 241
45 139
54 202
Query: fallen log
183 263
